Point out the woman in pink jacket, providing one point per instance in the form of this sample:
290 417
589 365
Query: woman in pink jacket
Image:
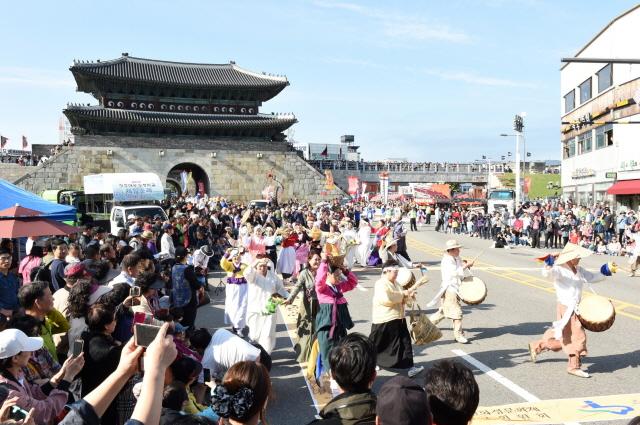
333 319
48 400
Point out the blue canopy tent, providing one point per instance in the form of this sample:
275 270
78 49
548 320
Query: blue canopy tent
11 195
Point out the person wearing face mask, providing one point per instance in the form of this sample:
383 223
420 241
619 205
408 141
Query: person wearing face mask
567 333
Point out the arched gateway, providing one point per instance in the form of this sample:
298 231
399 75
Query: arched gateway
188 178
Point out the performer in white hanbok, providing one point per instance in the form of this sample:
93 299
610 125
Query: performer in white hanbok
567 333
364 236
351 242
262 283
453 270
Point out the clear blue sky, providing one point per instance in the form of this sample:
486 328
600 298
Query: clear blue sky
425 80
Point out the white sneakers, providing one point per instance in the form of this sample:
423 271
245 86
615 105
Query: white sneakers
461 339
579 373
415 370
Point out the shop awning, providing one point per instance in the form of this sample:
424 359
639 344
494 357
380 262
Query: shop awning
625 187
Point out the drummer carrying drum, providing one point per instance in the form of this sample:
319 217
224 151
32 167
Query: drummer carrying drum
567 333
453 270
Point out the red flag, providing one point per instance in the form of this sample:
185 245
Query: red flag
24 142
325 152
3 141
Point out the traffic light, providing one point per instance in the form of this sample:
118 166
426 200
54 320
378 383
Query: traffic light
528 153
484 157
508 153
503 157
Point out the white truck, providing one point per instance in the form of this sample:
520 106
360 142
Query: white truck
501 199
123 194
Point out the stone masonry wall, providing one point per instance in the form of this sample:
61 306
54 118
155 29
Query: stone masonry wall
235 173
12 172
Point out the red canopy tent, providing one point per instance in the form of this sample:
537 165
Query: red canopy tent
18 222
429 197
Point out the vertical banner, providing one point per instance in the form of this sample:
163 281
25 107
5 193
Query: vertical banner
353 185
328 177
364 188
527 184
384 186
183 181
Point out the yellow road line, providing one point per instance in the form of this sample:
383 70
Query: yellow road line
524 279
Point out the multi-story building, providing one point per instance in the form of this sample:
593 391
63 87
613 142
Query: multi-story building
599 104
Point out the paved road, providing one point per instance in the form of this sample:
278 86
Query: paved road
519 307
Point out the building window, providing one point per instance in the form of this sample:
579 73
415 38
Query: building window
585 91
569 101
605 78
604 136
585 144
572 148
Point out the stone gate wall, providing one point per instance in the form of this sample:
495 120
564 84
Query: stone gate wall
237 169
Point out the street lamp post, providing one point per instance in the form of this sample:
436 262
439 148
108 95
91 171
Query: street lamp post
518 126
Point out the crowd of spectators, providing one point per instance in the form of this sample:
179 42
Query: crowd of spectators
547 225
101 328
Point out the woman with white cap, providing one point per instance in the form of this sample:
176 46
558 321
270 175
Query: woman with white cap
47 401
567 333
452 269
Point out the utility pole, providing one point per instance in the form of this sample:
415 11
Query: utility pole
518 127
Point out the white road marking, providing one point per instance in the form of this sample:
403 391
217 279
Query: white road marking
510 385
316 405
361 288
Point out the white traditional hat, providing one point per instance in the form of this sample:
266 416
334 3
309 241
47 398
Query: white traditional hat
14 341
452 244
572 251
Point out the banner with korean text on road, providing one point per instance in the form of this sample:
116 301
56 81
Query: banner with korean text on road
585 409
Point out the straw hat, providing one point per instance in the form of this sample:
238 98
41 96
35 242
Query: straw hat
572 251
452 244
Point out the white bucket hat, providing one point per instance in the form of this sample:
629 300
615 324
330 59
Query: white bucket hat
452 244
572 251
14 341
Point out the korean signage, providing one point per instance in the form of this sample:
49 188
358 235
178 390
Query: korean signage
580 173
125 187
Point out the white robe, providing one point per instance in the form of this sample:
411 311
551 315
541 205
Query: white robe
350 236
364 235
262 327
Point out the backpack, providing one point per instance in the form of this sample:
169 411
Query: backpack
41 273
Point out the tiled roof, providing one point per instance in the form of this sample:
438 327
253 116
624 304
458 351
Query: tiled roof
276 122
178 73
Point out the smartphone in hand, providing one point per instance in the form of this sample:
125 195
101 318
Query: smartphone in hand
144 334
17 413
78 347
134 291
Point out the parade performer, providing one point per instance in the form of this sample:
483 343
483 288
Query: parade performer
389 332
333 319
308 308
270 244
381 233
256 243
263 284
302 247
235 303
452 269
364 236
400 234
567 333
390 252
351 242
287 260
